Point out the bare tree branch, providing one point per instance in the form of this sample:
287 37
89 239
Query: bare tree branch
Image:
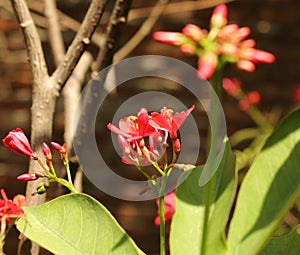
54 31
178 7
112 34
142 32
82 38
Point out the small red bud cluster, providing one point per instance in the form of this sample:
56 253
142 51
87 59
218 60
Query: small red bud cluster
223 43
17 142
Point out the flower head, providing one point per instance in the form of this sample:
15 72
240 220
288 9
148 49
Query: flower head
224 43
169 122
169 208
17 142
11 209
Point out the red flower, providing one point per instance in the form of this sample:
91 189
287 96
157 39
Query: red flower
133 128
11 209
17 142
166 121
169 208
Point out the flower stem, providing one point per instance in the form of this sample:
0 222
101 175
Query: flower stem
162 228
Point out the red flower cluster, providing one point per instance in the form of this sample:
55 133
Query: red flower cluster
234 88
223 43
11 209
156 127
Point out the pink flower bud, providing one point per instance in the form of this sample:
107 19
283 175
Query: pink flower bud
250 99
219 16
249 43
177 145
58 147
261 56
173 38
232 86
188 49
27 177
253 97
16 141
46 151
194 32
246 65
207 64
19 200
241 34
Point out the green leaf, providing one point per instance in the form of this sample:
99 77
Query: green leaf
269 189
288 244
202 211
75 224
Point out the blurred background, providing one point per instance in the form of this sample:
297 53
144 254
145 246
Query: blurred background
275 27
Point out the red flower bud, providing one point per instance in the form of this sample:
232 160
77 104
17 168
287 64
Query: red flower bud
177 145
207 64
232 86
173 38
30 177
188 49
58 147
296 94
261 56
17 142
252 98
219 16
246 65
46 151
194 32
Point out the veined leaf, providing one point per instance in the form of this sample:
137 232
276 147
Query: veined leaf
288 244
202 212
269 189
76 224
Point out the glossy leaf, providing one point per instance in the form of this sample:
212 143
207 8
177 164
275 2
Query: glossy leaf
288 244
75 224
201 213
269 189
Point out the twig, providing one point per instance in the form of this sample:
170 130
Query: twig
112 34
184 6
54 31
142 32
82 38
71 93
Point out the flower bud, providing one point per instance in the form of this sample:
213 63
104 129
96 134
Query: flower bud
194 32
16 141
177 145
46 151
219 16
207 64
246 65
232 86
188 49
172 38
42 188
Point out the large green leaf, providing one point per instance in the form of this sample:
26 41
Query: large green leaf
76 224
269 189
202 212
288 244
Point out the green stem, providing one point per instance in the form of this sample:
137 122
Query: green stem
66 184
67 166
162 228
